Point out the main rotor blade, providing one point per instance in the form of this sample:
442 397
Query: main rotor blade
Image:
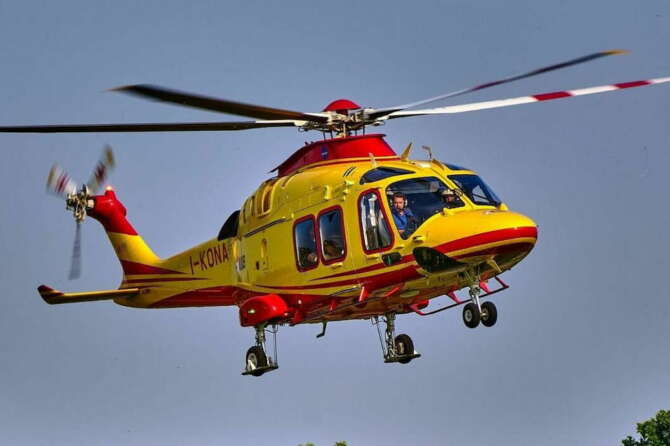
75 264
558 66
525 99
151 127
215 104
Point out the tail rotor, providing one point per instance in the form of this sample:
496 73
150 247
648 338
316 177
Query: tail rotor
79 199
75 262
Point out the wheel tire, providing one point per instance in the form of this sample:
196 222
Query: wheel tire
404 346
257 358
471 315
489 314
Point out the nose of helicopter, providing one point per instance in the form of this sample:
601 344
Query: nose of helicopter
508 236
481 236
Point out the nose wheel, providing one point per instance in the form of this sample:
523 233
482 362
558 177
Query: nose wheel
471 315
475 312
489 314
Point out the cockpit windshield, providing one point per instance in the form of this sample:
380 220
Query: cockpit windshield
476 190
415 200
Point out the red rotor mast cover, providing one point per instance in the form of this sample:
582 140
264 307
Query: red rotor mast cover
332 150
342 106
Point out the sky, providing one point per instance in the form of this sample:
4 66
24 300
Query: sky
580 352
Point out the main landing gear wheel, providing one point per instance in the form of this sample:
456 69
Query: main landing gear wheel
395 348
489 314
471 315
404 348
257 361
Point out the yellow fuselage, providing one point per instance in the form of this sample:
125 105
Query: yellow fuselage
262 257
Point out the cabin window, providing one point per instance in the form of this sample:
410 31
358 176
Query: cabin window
455 167
374 224
265 197
476 189
229 228
304 237
331 234
379 173
246 213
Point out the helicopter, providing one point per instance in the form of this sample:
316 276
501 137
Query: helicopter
347 229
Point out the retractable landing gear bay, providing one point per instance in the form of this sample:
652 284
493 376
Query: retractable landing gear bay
257 360
395 348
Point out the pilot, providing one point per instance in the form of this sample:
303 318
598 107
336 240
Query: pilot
402 215
451 200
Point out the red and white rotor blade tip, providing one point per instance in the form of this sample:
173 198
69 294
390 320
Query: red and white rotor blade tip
60 183
557 66
101 171
526 99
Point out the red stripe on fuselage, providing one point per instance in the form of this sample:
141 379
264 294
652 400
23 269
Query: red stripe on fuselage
140 268
488 237
164 279
504 249
206 297
454 245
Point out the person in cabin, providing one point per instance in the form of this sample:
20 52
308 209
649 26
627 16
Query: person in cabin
402 215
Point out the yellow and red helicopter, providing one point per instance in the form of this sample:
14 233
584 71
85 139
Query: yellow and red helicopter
347 229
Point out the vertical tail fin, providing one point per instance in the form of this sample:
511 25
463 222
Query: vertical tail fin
134 254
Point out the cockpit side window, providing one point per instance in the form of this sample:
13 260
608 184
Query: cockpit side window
476 190
304 238
379 173
375 229
415 200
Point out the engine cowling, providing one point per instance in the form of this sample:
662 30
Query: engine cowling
261 309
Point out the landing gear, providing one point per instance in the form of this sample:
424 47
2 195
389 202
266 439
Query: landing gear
404 348
475 312
471 315
257 361
395 348
489 314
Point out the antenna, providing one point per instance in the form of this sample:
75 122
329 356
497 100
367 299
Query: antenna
430 152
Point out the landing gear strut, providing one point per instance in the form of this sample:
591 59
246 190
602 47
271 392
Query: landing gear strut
394 348
257 360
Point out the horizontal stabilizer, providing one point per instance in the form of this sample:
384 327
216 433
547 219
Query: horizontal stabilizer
52 296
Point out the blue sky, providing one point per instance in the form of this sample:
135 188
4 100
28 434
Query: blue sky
580 351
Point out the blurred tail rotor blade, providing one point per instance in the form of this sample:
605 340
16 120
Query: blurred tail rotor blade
102 169
75 265
60 183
